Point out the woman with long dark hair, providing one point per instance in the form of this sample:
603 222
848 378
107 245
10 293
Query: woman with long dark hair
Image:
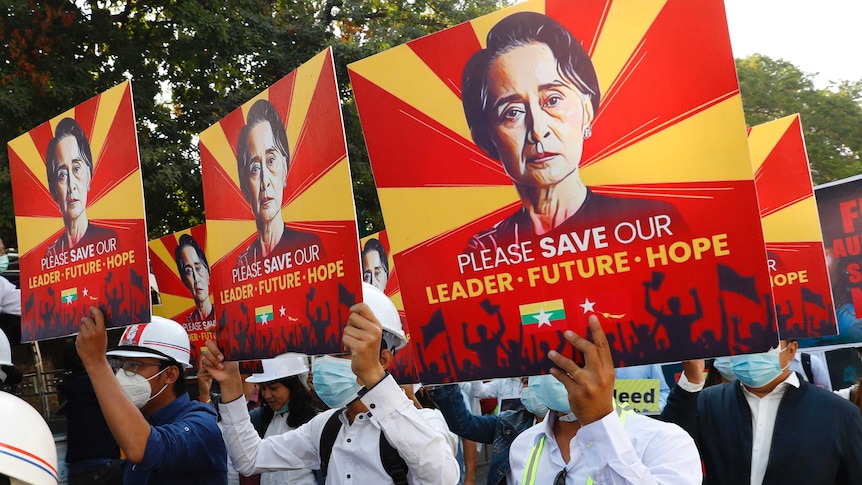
286 404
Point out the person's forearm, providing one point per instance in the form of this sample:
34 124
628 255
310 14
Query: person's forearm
231 388
127 424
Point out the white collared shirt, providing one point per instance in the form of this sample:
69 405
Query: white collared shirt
644 451
763 413
304 476
420 436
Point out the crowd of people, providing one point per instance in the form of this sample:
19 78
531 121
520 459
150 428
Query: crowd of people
344 419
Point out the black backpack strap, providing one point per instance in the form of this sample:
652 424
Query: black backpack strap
327 440
392 462
806 366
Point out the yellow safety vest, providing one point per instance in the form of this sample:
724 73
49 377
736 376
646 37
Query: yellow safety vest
529 477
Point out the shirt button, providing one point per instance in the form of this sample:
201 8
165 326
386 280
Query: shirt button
361 416
186 428
372 406
589 446
348 475
348 440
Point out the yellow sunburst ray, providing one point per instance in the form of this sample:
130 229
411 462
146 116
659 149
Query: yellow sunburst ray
415 84
692 150
33 231
172 305
69 113
162 253
305 83
484 23
623 31
230 235
32 157
329 199
420 214
109 103
215 140
763 138
117 204
248 104
796 223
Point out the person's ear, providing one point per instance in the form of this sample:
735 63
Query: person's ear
171 374
386 357
793 347
588 111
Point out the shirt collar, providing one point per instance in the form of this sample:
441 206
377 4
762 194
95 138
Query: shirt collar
168 413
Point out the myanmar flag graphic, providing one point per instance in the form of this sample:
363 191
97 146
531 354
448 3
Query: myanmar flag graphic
263 314
542 315
69 295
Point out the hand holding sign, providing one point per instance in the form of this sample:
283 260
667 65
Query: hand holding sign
362 337
92 340
225 373
591 387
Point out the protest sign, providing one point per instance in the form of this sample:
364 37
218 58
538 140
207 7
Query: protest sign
839 205
281 227
182 270
641 395
379 270
791 230
559 159
79 209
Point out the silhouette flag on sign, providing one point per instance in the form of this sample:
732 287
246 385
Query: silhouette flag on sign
813 298
730 280
434 327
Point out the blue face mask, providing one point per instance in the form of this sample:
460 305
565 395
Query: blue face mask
4 262
532 403
334 381
550 392
722 365
757 370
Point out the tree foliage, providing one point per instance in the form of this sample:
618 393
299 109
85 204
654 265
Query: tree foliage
191 63
831 117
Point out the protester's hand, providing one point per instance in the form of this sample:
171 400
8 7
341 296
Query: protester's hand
591 387
693 370
224 372
362 337
92 340
204 384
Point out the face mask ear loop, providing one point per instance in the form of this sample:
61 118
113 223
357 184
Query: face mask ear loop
163 387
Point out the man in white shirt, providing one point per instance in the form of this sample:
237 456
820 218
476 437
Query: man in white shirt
420 437
768 427
507 391
587 439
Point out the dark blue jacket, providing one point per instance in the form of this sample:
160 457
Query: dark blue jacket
498 430
185 447
817 437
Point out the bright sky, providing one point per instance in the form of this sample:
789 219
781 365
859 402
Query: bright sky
818 36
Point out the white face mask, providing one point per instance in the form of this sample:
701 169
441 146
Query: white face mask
137 387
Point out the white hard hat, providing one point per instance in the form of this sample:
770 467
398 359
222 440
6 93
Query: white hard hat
5 350
285 365
387 314
27 450
162 339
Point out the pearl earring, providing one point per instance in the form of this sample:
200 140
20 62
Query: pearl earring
588 132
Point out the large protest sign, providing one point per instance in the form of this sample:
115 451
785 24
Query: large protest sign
839 205
182 270
79 209
791 229
378 269
562 158
281 227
